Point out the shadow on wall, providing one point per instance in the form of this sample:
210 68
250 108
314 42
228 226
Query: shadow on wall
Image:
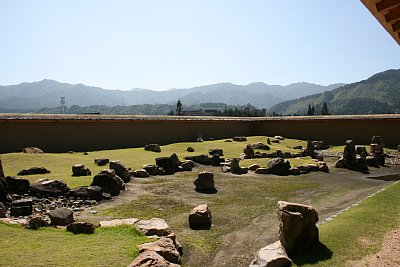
319 253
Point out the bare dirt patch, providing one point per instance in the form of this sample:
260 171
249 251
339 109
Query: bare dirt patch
388 256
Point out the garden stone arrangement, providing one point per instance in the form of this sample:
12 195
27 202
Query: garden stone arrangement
250 175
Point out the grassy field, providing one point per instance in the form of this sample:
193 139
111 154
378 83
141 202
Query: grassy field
60 164
358 232
55 247
243 209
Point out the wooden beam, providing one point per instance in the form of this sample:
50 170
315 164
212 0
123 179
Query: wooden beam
387 4
393 15
396 27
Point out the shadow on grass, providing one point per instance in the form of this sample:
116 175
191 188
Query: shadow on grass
317 254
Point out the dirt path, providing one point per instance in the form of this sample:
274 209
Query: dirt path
388 256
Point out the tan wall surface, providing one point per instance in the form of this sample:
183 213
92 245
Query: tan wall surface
54 136
88 134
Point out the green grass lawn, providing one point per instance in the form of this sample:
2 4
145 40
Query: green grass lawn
115 246
357 232
60 164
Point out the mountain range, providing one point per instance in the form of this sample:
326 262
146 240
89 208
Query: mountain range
378 94
47 93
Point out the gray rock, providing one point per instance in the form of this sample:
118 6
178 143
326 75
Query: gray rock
101 161
235 168
200 217
151 258
154 226
297 230
120 170
141 173
254 167
187 165
33 171
81 228
190 149
165 247
80 170
32 150
21 207
109 182
61 216
3 210
153 147
47 187
87 192
216 151
279 166
262 171
205 182
239 138
36 222
153 169
17 185
273 255
248 151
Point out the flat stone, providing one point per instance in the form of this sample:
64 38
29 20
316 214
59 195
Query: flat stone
117 222
273 255
154 226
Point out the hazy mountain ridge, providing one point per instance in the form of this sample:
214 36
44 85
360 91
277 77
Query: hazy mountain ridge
378 94
47 93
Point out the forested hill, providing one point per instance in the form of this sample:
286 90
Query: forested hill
378 94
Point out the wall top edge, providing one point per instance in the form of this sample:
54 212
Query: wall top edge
143 118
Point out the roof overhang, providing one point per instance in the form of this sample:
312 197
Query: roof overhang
387 12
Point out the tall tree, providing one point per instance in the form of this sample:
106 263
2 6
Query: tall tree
179 108
309 111
324 110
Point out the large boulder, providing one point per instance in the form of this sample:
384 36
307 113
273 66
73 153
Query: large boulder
154 226
167 163
141 173
349 154
279 166
21 207
235 168
87 192
81 228
80 170
205 182
165 247
248 152
36 222
153 147
175 162
297 230
377 144
34 170
200 217
120 170
216 151
273 255
109 182
200 159
153 169
151 258
187 165
61 216
309 150
32 150
45 187
239 138
17 185
101 161
260 145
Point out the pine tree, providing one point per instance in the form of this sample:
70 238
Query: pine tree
179 108
312 110
309 111
324 110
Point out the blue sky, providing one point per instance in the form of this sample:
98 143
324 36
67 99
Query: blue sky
159 44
